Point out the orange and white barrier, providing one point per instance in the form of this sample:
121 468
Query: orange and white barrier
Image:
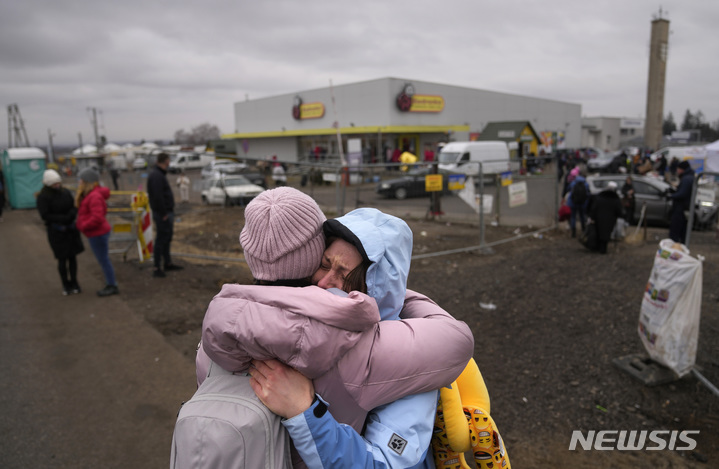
141 206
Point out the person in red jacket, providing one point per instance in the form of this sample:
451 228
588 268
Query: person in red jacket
91 204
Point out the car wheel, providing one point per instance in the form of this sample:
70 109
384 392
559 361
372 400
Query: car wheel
400 193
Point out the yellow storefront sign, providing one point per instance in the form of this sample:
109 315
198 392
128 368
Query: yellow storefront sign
312 111
433 182
426 103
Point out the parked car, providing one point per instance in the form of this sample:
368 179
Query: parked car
590 153
139 163
254 177
607 162
229 190
188 160
218 167
411 184
653 192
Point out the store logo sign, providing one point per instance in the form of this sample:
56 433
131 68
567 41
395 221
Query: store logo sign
408 101
301 110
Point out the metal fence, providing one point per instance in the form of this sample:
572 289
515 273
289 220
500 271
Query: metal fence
511 194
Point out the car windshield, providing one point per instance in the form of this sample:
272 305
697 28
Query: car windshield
236 181
448 157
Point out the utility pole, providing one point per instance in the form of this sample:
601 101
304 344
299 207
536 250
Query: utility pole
100 159
94 127
50 149
16 128
79 136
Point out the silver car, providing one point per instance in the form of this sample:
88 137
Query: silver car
653 192
229 190
218 167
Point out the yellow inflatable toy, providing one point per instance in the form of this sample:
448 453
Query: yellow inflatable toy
463 424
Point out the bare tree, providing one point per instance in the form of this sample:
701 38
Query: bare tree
198 135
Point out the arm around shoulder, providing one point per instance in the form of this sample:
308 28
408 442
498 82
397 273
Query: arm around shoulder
427 350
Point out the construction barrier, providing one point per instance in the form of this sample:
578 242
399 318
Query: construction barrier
131 224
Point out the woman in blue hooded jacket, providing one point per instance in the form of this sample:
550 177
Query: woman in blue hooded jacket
396 434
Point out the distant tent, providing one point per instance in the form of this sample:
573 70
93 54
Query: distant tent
149 146
110 147
86 149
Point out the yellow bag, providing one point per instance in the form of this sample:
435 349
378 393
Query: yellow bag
463 423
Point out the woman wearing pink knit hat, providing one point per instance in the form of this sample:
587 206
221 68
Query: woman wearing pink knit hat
338 341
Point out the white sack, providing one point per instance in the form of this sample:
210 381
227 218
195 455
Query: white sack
671 308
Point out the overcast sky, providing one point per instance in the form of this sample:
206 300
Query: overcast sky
152 67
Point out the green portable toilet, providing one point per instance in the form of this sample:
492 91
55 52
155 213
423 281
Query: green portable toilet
23 169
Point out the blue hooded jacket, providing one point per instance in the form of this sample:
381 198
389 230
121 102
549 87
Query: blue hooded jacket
386 242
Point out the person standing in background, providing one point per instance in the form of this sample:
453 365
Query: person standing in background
162 203
578 201
57 209
628 200
115 175
681 203
183 182
604 209
91 204
278 173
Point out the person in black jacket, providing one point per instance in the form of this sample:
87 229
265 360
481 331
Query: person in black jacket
628 200
57 209
604 209
162 203
681 203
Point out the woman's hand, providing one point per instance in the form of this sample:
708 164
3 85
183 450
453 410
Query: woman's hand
284 390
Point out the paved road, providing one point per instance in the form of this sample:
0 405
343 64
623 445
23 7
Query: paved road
86 382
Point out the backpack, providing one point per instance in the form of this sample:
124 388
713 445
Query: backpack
463 424
225 425
579 193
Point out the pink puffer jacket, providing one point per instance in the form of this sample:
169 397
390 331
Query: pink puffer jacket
357 363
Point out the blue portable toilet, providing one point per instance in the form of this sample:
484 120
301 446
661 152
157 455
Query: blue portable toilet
23 169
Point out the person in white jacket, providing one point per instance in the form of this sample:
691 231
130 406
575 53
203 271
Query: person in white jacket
356 370
183 183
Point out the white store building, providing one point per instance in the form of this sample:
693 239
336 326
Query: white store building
389 114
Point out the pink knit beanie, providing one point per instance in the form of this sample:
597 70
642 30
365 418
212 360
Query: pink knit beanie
283 237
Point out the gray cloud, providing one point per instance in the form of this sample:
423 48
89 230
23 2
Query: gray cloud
154 67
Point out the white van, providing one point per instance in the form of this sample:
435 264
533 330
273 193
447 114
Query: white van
462 157
681 153
189 160
695 155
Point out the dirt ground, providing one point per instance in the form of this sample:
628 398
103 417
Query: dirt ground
548 318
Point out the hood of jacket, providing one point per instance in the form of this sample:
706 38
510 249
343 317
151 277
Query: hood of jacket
386 241
103 191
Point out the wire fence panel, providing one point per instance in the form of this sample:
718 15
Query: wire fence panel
511 195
